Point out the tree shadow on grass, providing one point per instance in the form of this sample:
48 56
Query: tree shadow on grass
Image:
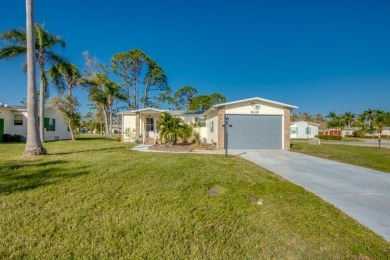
22 176
86 151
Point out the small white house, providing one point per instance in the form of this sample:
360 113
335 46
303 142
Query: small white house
13 121
254 123
303 129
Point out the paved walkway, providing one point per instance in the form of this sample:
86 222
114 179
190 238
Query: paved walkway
362 193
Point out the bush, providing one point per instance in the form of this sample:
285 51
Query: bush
329 137
16 138
115 132
333 137
118 138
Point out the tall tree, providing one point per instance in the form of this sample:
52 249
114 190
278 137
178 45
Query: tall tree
128 66
155 80
65 77
182 97
103 92
68 107
204 102
45 43
33 144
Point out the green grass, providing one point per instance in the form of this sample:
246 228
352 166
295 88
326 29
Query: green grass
370 157
95 198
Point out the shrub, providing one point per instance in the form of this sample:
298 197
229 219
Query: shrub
333 137
118 138
329 137
115 132
197 138
16 138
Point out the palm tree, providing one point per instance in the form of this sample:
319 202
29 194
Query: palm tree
331 115
33 144
65 77
349 118
45 42
171 128
103 92
369 115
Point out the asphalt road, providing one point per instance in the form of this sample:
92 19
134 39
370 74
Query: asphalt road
361 193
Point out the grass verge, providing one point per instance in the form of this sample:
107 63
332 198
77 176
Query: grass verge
370 157
95 198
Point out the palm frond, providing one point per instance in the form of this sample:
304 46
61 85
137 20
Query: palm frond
54 58
9 52
17 36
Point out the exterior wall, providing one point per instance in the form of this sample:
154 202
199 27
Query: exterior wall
286 129
61 132
333 132
248 108
128 122
221 130
9 127
211 137
301 130
137 125
61 128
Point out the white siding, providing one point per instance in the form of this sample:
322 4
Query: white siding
300 130
128 122
61 128
211 136
247 108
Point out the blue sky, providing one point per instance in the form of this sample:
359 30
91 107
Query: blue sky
319 55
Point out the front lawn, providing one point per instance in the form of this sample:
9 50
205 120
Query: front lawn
370 157
95 198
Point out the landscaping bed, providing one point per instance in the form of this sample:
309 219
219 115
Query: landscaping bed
171 148
184 148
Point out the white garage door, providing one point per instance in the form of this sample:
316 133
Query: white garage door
255 132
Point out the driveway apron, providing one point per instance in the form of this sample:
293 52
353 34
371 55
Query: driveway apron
362 193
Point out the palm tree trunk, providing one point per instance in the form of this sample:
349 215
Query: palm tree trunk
106 120
42 106
33 144
110 127
71 131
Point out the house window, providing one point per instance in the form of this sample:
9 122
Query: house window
49 124
200 121
18 119
308 130
294 130
212 127
149 124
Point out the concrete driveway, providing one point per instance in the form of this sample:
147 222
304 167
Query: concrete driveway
361 193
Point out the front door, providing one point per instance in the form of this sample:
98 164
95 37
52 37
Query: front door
1 129
150 127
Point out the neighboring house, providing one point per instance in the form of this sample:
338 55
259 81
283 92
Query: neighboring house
349 131
303 129
256 123
13 121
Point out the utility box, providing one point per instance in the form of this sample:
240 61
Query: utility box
314 141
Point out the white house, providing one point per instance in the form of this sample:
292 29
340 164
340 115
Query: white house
303 129
13 121
255 123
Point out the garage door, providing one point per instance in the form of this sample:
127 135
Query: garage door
255 132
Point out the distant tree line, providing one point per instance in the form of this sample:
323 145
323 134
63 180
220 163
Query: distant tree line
369 121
